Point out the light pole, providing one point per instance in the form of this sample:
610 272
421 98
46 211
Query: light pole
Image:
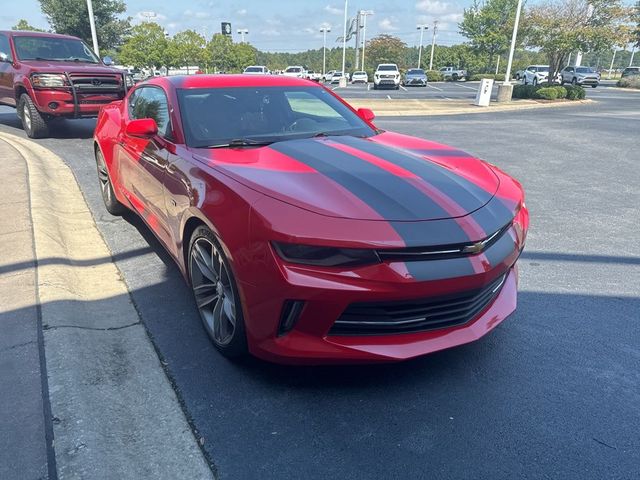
343 78
613 59
422 28
242 32
92 24
324 31
433 43
365 14
507 76
633 54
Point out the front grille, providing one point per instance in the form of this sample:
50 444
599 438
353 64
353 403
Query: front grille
96 82
420 315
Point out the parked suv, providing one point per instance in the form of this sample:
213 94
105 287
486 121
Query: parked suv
630 72
386 75
580 76
45 76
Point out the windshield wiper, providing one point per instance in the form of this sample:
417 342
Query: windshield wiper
239 142
83 60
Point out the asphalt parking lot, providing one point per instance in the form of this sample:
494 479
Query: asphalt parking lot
435 91
551 393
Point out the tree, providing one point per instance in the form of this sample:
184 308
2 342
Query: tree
187 49
489 27
71 17
219 53
560 27
243 56
25 26
386 49
635 17
146 47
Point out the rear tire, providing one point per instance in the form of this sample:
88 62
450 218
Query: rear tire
111 203
574 82
216 294
33 122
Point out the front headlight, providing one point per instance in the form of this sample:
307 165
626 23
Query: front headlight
48 80
325 256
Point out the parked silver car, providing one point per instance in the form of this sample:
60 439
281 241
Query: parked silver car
415 76
580 76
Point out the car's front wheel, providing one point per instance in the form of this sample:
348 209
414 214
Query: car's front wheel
111 203
574 82
33 121
216 293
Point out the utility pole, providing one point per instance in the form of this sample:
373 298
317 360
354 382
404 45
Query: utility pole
242 32
422 28
324 31
358 16
633 54
613 59
433 43
579 54
343 78
364 14
514 36
92 24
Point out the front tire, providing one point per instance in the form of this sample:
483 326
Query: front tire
216 294
33 122
574 82
111 203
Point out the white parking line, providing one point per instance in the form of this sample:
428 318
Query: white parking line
403 88
389 97
464 86
435 88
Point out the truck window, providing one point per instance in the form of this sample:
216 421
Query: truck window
5 48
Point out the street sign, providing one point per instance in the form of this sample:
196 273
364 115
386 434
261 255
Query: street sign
226 28
483 97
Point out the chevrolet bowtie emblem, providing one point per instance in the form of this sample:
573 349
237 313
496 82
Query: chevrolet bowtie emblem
475 248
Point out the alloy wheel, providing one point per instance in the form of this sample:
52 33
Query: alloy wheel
211 283
103 177
26 116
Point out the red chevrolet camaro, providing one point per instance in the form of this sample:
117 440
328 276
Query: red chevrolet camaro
307 234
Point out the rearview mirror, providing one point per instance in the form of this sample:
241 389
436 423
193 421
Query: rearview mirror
107 61
366 114
142 128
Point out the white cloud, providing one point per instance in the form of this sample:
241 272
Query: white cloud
242 12
334 10
452 17
387 25
270 32
149 16
433 7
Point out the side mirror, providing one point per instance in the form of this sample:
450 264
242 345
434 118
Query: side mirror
366 114
142 128
107 61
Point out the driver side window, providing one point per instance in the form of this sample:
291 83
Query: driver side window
5 48
151 102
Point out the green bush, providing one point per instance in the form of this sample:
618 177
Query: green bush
434 76
629 82
575 92
524 91
546 93
479 76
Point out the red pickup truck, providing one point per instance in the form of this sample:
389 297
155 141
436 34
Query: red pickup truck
46 76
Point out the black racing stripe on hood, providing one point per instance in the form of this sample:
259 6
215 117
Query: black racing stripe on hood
424 234
460 190
501 250
493 216
437 152
440 269
389 195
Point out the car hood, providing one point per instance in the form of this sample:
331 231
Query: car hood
359 178
43 66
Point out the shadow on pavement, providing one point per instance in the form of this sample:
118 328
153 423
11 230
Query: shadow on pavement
59 128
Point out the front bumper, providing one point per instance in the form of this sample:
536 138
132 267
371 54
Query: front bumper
415 81
63 103
588 81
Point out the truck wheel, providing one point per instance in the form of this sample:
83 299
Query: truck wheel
33 122
454 77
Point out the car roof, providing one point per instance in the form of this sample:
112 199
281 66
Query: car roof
28 33
229 81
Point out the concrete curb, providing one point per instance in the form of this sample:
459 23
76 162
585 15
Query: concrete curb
414 107
115 412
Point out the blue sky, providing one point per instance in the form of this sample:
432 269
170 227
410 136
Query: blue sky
280 25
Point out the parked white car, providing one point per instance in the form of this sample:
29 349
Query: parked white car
360 77
256 70
580 76
327 76
536 74
453 73
315 76
386 75
295 71
337 75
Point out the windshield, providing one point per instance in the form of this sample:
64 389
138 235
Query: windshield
387 68
585 70
54 49
359 73
416 71
293 69
253 69
216 116
542 69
